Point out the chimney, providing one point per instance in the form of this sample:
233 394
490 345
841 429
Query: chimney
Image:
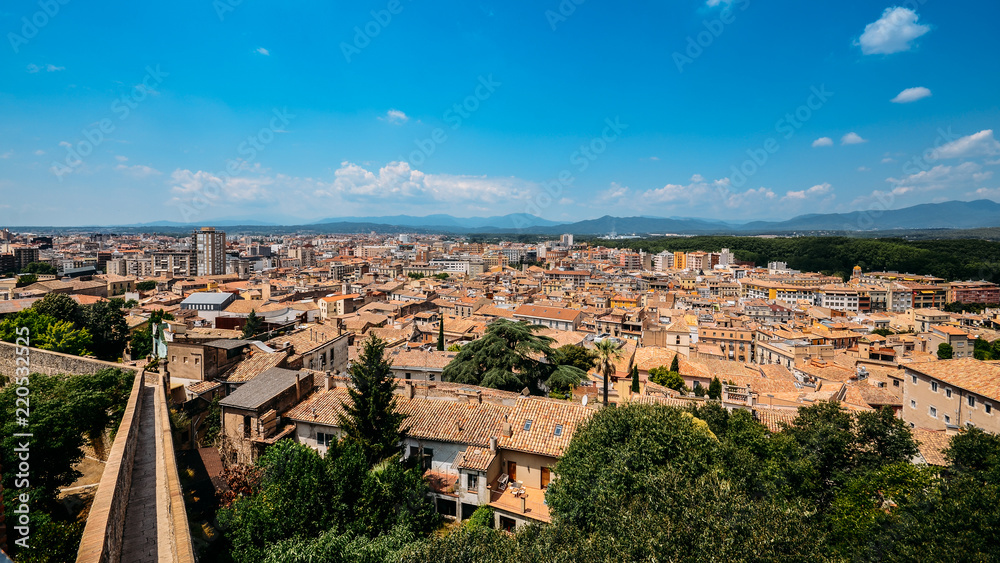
493 444
506 430
328 381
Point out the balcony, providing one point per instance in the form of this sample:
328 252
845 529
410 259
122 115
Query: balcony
526 501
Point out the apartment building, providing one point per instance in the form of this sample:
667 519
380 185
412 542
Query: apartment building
952 394
558 318
210 251
735 343
838 298
973 292
174 264
961 343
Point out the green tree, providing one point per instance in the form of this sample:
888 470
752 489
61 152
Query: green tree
667 378
624 454
675 364
253 325
26 279
141 343
945 351
576 356
147 285
608 352
699 391
371 419
508 356
40 268
60 336
715 389
635 379
440 346
60 306
106 322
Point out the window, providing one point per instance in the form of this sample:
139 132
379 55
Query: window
895 383
947 419
473 482
428 458
913 404
972 401
933 412
246 425
988 408
914 379
558 430
934 386
527 425
197 361
947 393
323 439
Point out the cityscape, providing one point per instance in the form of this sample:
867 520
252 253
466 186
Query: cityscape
707 281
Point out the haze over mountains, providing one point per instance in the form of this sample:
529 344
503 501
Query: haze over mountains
946 215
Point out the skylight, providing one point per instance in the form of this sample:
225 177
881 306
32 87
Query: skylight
558 430
527 425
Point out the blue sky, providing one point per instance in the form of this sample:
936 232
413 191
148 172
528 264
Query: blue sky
295 111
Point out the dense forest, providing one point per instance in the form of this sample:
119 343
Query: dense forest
958 259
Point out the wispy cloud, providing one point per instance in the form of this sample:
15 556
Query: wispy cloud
852 138
33 68
977 144
263 51
138 171
823 142
911 95
395 116
892 33
815 191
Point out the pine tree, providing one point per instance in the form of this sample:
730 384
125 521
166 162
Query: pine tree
715 389
371 418
635 379
675 365
253 326
441 335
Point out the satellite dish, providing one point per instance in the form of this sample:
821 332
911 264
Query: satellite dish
585 397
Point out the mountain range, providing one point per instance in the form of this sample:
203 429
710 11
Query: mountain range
946 215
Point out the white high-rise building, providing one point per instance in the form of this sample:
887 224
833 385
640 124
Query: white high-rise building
210 249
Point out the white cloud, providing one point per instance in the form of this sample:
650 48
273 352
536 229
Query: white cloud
823 142
121 158
942 177
887 160
701 195
863 169
892 33
977 144
39 152
138 171
395 116
852 138
815 191
987 193
263 51
614 193
911 95
33 68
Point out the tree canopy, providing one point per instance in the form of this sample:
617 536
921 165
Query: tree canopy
512 357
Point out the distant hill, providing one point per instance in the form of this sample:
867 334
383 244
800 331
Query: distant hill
947 215
513 220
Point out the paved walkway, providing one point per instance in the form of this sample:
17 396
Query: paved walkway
139 538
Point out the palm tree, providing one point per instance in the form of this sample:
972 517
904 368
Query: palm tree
607 353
